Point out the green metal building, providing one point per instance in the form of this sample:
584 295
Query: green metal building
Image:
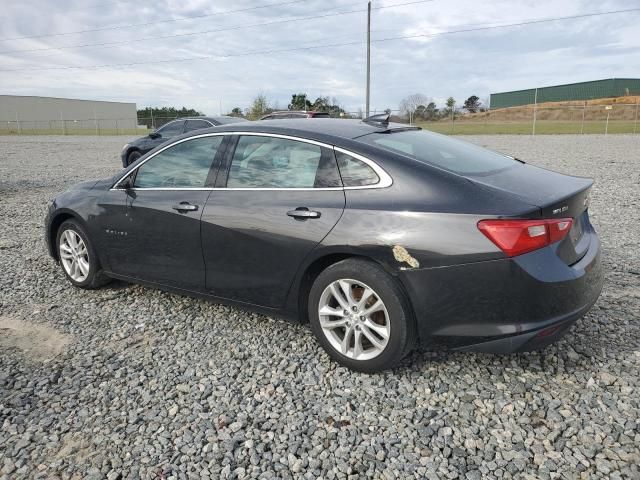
612 87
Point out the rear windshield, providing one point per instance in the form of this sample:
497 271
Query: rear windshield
454 155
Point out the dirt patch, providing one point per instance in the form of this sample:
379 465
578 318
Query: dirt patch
37 342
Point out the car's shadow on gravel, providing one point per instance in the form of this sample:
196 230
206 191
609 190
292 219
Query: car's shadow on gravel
579 351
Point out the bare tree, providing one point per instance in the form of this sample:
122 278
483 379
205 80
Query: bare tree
259 107
409 105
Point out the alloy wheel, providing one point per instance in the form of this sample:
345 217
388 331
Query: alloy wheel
354 319
74 255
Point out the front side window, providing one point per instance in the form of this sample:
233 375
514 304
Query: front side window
354 172
270 162
195 125
431 148
184 165
171 129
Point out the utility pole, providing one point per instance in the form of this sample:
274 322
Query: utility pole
368 57
535 109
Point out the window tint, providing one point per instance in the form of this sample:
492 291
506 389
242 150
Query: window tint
453 155
171 129
268 162
185 165
195 125
354 172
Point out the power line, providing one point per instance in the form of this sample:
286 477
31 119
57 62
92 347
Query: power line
91 7
330 45
167 20
225 29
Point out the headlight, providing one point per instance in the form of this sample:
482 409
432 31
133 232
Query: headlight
126 145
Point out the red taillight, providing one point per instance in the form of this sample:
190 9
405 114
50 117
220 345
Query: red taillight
515 237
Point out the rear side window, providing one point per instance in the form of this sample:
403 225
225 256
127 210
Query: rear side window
450 154
354 172
171 129
185 165
195 125
270 162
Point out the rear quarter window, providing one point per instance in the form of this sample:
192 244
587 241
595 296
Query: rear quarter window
354 172
450 154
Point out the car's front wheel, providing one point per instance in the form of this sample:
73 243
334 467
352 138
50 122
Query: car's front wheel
360 316
77 256
133 156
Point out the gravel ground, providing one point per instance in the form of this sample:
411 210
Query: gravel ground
129 382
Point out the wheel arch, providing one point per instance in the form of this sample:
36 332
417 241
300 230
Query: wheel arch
130 150
322 262
54 225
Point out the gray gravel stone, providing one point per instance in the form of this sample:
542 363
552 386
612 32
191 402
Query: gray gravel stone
147 384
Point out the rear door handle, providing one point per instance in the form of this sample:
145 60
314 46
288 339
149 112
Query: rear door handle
303 213
185 207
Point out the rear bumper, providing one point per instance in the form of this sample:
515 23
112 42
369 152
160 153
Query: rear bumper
508 305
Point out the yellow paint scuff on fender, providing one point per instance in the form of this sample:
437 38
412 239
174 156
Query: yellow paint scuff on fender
401 255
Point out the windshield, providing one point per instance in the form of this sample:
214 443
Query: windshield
454 155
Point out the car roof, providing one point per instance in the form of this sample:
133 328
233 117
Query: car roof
315 129
284 112
218 119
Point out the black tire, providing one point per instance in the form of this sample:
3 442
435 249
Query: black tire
133 156
95 277
402 333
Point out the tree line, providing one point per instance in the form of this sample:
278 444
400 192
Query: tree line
419 106
416 107
261 106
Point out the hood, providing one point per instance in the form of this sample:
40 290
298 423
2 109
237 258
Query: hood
91 184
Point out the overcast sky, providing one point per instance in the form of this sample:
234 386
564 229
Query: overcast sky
457 64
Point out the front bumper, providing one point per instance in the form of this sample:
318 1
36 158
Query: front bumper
47 231
502 306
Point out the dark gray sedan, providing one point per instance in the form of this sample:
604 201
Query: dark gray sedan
380 235
134 150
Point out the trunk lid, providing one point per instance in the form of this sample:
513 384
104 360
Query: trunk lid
554 195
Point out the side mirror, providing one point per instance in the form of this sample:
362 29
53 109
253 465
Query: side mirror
127 183
154 135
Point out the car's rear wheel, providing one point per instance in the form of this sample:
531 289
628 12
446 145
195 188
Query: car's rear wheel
77 256
133 156
360 316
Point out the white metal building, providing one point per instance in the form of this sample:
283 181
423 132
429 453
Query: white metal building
27 114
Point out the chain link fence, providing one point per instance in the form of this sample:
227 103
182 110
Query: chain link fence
533 120
530 119
87 126
92 126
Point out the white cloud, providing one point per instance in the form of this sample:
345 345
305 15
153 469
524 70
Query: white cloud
439 66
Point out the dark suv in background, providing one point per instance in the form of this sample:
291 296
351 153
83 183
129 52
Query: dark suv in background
134 150
295 114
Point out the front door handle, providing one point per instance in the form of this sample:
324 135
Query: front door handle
185 207
303 213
